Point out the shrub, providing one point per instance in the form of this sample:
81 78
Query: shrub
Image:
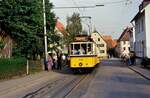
12 67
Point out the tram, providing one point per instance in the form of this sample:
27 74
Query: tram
83 54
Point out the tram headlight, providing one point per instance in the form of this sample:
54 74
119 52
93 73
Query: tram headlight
80 64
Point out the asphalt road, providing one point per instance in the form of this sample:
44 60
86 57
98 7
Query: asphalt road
115 80
111 79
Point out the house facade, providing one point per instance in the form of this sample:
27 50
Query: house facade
142 30
61 32
123 44
101 44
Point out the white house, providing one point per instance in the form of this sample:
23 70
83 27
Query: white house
123 46
101 44
142 30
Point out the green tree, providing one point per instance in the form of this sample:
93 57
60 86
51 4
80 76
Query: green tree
23 21
74 26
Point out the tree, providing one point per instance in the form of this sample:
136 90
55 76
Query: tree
74 26
23 21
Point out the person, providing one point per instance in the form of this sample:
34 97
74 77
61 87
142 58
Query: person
55 61
128 59
64 59
82 51
74 51
133 57
50 62
59 59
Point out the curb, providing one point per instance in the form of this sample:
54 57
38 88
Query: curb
140 73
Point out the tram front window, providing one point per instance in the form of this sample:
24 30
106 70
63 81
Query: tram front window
75 49
81 49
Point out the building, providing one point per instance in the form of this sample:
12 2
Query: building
123 43
60 29
111 44
6 43
102 45
61 32
141 24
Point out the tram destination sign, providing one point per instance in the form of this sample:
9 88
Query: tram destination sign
81 38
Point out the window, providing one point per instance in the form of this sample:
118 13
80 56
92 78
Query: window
124 48
102 51
129 48
124 42
101 45
142 25
98 39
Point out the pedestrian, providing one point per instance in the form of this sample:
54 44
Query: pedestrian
63 59
129 62
133 57
55 61
59 60
50 62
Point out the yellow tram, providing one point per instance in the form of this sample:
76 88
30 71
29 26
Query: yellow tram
83 54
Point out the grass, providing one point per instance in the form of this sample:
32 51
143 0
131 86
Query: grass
34 66
12 67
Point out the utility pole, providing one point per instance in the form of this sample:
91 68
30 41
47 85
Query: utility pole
45 34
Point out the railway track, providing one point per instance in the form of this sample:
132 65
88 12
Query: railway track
64 87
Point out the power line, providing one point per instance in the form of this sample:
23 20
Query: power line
77 7
114 2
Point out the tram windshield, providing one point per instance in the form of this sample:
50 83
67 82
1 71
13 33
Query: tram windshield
81 49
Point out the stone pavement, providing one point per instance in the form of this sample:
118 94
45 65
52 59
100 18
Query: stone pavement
14 84
142 71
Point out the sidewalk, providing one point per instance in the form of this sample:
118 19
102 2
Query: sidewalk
14 84
142 71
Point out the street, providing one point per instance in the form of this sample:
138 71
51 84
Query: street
111 79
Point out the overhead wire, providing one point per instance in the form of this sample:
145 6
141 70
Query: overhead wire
77 6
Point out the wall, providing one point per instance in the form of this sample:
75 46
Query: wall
122 45
99 40
147 21
140 37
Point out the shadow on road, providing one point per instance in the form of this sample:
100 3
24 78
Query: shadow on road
113 63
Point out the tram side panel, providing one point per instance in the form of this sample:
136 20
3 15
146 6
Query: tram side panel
83 61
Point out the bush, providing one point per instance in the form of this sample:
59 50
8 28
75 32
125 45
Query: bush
12 67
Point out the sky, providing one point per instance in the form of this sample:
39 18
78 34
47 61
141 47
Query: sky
110 19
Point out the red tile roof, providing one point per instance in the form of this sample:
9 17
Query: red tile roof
111 43
125 34
61 28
